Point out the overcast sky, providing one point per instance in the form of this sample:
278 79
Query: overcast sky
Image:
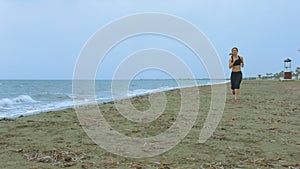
42 39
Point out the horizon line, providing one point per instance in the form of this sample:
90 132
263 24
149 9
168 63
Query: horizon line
134 79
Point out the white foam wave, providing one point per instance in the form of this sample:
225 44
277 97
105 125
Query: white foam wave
103 99
23 99
17 100
6 102
139 92
25 110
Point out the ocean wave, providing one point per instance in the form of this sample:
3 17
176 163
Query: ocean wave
139 92
17 100
24 99
6 102
25 110
52 96
103 99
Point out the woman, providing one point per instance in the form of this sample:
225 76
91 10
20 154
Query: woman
235 63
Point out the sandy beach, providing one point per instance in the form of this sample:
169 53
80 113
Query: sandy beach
261 131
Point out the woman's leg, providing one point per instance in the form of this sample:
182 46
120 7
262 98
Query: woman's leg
237 91
232 82
239 78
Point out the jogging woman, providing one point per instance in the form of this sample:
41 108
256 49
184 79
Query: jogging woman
235 63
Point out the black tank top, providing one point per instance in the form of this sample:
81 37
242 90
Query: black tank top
237 62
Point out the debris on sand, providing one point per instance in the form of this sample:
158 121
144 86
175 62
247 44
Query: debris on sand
58 158
7 119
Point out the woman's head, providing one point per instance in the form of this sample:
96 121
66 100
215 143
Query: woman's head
234 50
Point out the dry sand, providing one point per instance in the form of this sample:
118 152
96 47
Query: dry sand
261 131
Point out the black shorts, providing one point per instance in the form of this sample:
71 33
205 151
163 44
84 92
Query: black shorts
236 79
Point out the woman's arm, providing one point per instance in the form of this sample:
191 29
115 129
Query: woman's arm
231 63
243 63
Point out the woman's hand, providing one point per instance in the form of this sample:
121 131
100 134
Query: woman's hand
235 59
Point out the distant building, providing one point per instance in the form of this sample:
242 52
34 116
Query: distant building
259 76
287 69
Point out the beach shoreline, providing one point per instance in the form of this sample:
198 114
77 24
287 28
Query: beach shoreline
24 102
261 131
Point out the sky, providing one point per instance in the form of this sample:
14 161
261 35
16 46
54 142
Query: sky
43 39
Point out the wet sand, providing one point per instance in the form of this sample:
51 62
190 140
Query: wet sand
261 131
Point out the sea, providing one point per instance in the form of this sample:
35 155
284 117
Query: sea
27 97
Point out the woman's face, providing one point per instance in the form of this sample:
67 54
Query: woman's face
234 51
